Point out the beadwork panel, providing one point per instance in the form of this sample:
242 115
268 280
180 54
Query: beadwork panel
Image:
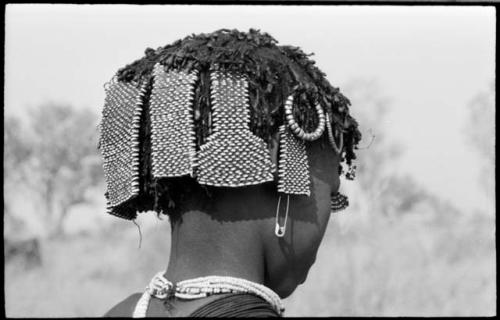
233 156
293 168
172 130
119 141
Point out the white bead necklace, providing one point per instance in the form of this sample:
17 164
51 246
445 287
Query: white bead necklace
202 287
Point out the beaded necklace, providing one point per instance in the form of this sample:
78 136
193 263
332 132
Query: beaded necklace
202 287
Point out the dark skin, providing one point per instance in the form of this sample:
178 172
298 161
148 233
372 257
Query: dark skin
234 235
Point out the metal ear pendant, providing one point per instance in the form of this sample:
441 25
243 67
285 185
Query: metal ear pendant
339 202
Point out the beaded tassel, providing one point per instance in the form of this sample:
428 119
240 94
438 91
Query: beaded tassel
338 202
293 167
119 143
232 156
172 129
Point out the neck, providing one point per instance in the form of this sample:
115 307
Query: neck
202 246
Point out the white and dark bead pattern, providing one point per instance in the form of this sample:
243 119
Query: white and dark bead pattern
232 156
202 287
119 142
293 166
331 138
173 145
296 129
338 202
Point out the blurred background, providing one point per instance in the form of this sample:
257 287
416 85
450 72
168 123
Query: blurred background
419 236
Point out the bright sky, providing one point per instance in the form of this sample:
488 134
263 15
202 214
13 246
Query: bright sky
430 61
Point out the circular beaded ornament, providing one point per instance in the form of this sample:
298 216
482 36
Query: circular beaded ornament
296 129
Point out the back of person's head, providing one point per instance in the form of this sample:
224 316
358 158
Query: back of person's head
230 127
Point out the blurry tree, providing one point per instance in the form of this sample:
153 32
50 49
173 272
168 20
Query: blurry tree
16 148
17 151
385 193
480 133
64 160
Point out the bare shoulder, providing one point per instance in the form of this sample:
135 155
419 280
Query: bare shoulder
125 308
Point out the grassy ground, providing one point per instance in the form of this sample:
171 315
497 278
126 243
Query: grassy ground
410 266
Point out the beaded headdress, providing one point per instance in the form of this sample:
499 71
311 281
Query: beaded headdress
207 107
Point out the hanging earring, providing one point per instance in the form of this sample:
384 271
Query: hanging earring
351 172
338 202
279 231
338 149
